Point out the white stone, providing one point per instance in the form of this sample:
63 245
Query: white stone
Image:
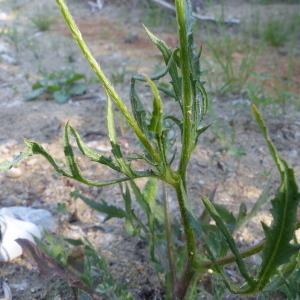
40 217
12 229
14 173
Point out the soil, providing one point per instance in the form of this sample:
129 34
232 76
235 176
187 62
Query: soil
117 40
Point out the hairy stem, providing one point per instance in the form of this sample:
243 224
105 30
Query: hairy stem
190 241
186 88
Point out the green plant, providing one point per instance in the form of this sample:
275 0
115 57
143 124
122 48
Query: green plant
236 61
42 21
275 32
60 86
118 77
77 263
13 35
155 15
195 245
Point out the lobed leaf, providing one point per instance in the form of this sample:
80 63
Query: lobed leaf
167 55
92 154
36 148
228 237
278 248
110 211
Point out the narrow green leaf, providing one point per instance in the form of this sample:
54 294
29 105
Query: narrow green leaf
36 148
167 55
163 72
133 224
150 195
204 97
92 154
263 199
138 109
116 149
232 287
157 113
276 157
69 154
110 211
200 131
229 239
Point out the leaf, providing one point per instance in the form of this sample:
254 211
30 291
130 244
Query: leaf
36 148
204 97
215 240
167 55
226 216
34 94
75 77
110 211
150 195
92 154
37 85
200 131
157 113
61 96
6 165
228 237
116 149
138 109
263 199
278 248
53 88
132 223
78 89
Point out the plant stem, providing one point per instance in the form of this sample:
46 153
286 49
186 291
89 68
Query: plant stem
186 88
182 199
190 241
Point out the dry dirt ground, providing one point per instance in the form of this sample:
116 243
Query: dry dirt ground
117 40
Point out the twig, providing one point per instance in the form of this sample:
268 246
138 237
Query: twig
231 21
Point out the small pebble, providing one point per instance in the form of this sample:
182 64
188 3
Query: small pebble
14 173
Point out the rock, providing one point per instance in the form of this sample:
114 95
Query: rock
8 59
14 173
12 229
293 154
40 217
